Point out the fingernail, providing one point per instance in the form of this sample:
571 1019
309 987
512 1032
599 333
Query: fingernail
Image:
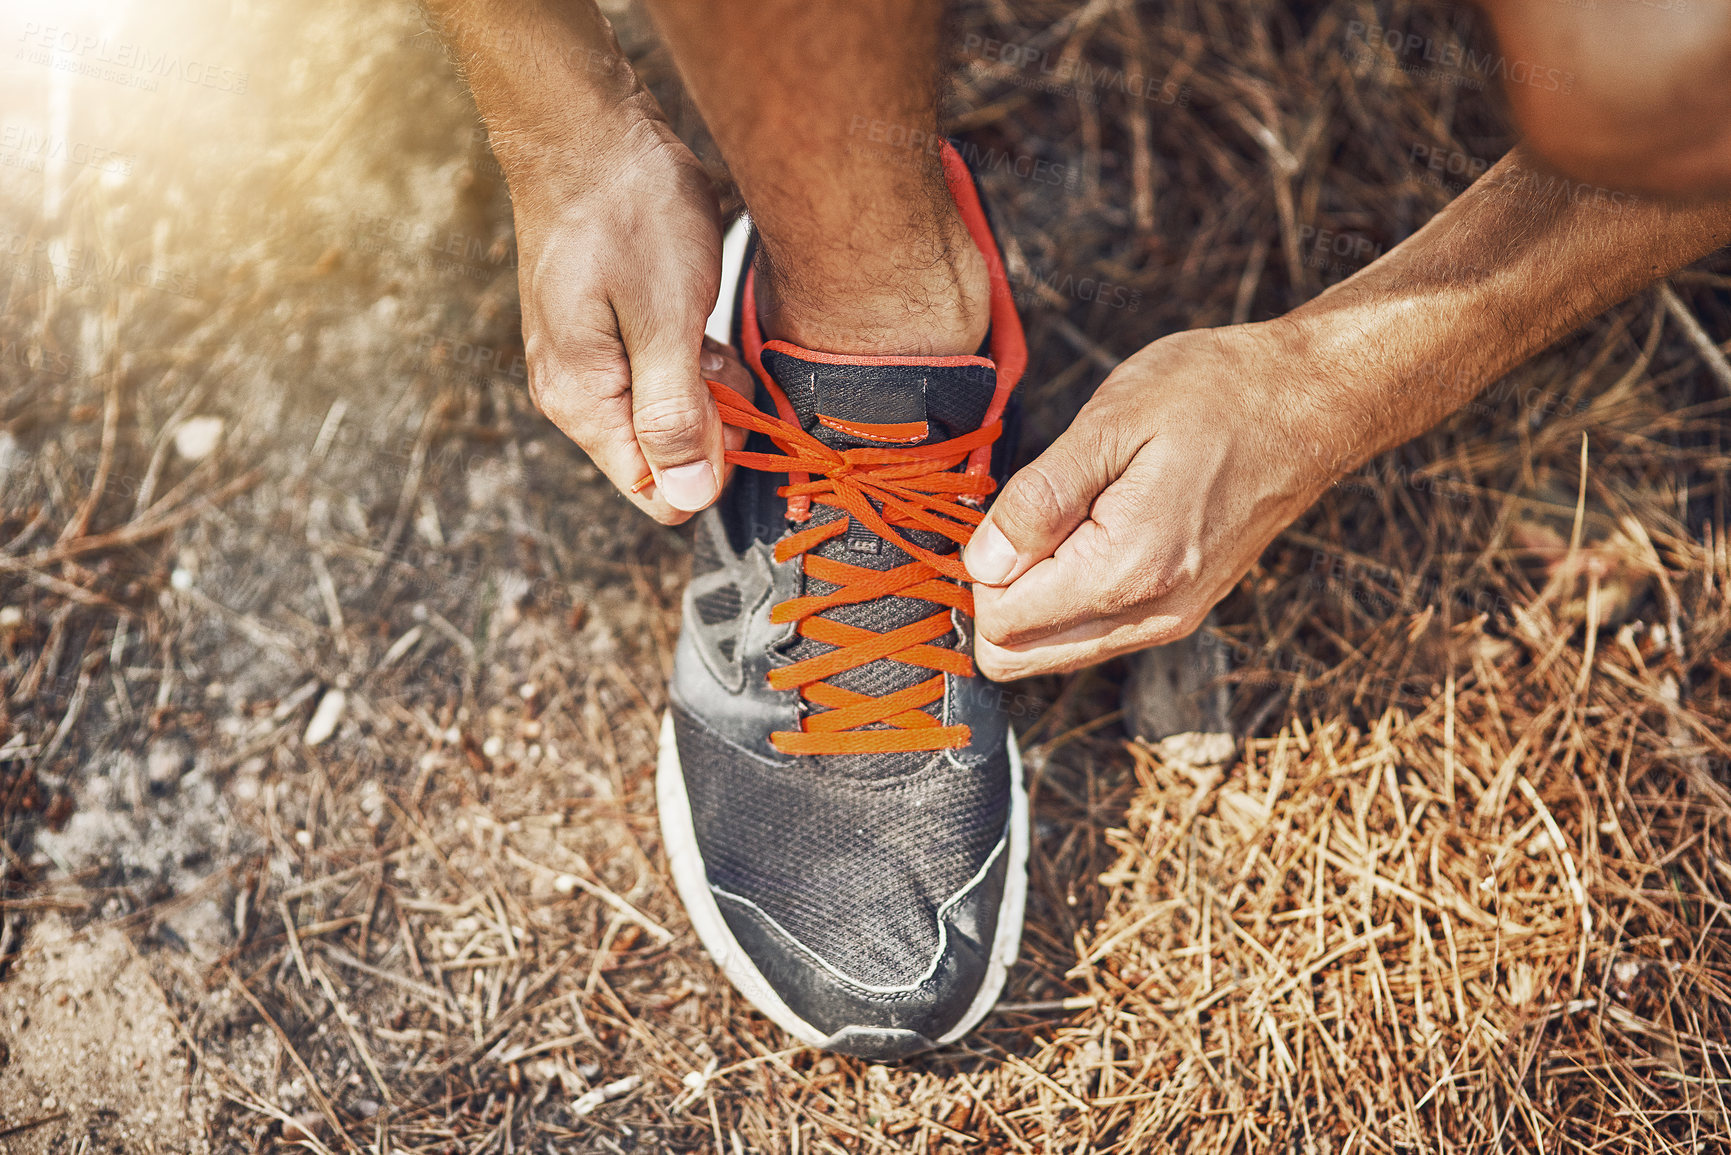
688 487
711 362
990 557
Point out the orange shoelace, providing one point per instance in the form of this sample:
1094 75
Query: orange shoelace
916 489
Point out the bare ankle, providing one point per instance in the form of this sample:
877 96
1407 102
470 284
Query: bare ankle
925 297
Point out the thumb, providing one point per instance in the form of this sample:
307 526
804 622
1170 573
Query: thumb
675 419
1040 506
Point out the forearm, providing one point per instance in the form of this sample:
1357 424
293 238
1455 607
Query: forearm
547 75
1515 262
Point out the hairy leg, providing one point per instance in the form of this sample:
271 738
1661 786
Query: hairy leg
826 111
1630 95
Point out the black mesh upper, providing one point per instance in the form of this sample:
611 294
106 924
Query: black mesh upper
853 869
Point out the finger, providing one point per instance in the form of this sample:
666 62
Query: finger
1097 572
721 363
1040 506
1082 645
677 425
594 410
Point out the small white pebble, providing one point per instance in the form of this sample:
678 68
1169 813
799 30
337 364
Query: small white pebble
11 617
372 801
565 884
1625 971
180 579
589 1100
527 691
303 838
166 760
493 746
325 718
197 437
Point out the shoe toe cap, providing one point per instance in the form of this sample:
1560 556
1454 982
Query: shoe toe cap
882 1020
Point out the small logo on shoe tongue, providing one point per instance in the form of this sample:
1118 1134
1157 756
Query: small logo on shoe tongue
862 540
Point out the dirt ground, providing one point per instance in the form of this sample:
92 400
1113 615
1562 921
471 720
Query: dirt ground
330 672
93 1049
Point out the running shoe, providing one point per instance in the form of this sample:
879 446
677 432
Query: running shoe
840 794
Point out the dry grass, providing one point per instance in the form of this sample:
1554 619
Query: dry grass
1462 890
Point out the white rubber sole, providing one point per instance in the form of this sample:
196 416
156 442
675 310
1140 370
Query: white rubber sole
692 882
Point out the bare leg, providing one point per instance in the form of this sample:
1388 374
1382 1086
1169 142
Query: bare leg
826 111
1628 95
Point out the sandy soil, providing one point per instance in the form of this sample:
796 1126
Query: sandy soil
92 1046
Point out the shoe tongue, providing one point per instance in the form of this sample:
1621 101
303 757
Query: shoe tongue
854 402
883 402
878 402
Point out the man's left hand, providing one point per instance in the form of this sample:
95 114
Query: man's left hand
1189 459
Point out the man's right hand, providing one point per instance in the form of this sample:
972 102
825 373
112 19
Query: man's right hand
618 241
618 271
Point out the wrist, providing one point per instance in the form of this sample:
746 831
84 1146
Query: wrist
1323 418
1383 369
557 157
552 84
